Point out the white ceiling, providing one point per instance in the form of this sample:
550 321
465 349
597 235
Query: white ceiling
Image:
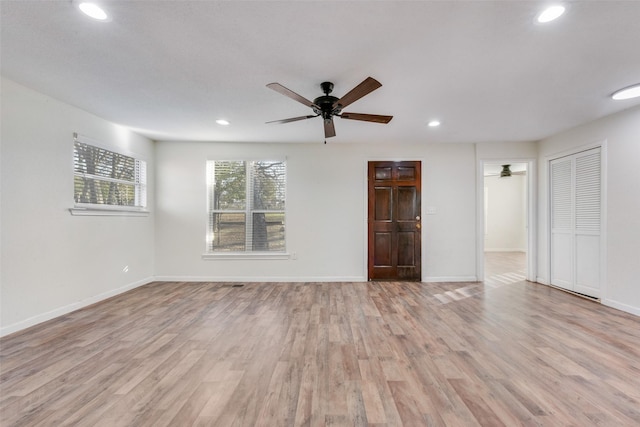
168 69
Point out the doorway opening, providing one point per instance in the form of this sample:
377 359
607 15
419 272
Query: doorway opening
505 230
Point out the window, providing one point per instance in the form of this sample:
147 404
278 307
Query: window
246 206
104 179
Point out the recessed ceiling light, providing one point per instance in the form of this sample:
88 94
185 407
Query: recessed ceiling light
551 13
627 93
93 10
222 122
434 123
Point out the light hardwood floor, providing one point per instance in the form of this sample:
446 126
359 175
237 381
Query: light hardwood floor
316 354
503 268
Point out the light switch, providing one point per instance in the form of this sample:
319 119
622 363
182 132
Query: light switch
431 210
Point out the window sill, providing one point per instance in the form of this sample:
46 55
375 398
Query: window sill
248 255
107 212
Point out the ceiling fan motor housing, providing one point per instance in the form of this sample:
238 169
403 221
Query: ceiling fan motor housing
326 102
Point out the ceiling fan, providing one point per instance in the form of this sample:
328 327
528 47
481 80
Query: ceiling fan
506 171
329 106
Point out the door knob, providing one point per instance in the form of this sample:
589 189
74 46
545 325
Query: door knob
418 226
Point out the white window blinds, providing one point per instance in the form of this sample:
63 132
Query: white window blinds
106 178
246 206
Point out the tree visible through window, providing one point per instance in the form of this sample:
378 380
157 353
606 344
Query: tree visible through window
107 178
246 202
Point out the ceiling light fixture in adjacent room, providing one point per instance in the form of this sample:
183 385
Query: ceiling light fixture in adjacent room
93 10
550 14
627 93
223 122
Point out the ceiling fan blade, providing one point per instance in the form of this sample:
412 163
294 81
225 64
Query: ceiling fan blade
329 128
367 86
366 117
294 119
291 94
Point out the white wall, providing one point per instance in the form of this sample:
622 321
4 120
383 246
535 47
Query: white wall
512 151
53 262
326 210
622 135
506 227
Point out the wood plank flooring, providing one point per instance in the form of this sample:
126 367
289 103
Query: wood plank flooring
327 354
503 268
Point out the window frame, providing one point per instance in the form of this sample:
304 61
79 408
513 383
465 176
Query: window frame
248 211
140 184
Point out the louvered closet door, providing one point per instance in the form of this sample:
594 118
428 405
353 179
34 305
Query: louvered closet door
576 215
562 223
587 222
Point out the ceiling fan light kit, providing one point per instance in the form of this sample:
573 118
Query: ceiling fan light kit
329 106
506 171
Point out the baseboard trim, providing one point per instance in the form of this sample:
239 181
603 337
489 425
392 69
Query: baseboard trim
620 306
434 279
299 279
259 279
40 318
604 301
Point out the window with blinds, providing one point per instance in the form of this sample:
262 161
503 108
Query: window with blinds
104 178
246 206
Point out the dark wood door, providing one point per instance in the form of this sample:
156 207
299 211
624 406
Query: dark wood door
394 221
